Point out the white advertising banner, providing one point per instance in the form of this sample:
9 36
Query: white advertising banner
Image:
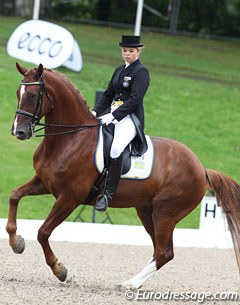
74 62
38 41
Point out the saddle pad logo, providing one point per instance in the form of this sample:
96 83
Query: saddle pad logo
141 167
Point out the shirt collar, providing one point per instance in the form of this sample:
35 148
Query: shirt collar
128 64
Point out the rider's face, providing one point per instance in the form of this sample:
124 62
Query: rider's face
130 54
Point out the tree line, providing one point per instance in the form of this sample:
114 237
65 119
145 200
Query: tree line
213 17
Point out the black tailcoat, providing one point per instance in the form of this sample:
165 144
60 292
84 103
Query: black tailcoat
128 85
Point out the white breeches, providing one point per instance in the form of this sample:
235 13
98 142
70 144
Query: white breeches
124 133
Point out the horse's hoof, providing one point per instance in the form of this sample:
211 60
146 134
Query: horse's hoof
62 275
126 286
19 246
120 287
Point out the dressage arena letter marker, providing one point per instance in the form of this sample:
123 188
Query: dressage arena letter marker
43 42
213 211
212 217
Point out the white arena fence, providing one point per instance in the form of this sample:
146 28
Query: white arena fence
212 233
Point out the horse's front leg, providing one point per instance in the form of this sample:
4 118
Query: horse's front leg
33 187
62 208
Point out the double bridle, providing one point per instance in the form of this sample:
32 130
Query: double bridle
35 120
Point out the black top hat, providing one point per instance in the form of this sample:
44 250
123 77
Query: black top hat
130 41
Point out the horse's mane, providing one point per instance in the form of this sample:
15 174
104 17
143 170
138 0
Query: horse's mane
72 87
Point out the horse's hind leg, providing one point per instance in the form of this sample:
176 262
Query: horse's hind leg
164 226
33 187
145 215
163 252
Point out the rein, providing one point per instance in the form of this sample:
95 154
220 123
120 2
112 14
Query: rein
35 116
78 128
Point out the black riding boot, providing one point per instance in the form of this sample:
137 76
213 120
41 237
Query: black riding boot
114 173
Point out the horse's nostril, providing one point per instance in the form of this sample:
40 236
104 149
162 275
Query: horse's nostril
21 135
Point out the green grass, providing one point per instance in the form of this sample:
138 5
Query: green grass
193 98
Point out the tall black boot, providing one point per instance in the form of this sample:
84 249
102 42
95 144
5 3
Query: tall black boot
114 173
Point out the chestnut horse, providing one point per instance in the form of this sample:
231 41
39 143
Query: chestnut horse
64 166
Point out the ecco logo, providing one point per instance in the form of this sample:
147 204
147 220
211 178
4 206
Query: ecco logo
36 43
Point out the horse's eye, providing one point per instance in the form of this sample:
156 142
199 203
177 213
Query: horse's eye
31 95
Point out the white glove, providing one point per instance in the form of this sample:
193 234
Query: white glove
107 118
94 113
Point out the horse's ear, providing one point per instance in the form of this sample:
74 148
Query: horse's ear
21 69
39 70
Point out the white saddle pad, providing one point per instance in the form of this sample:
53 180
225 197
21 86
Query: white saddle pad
141 167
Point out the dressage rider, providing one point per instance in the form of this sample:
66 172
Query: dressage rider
122 105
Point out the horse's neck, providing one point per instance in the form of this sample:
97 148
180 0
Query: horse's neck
69 106
67 114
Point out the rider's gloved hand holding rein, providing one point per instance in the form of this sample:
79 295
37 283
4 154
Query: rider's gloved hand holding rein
107 118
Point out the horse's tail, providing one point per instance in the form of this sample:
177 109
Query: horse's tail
227 192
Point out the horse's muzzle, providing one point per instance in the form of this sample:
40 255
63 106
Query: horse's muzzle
22 133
